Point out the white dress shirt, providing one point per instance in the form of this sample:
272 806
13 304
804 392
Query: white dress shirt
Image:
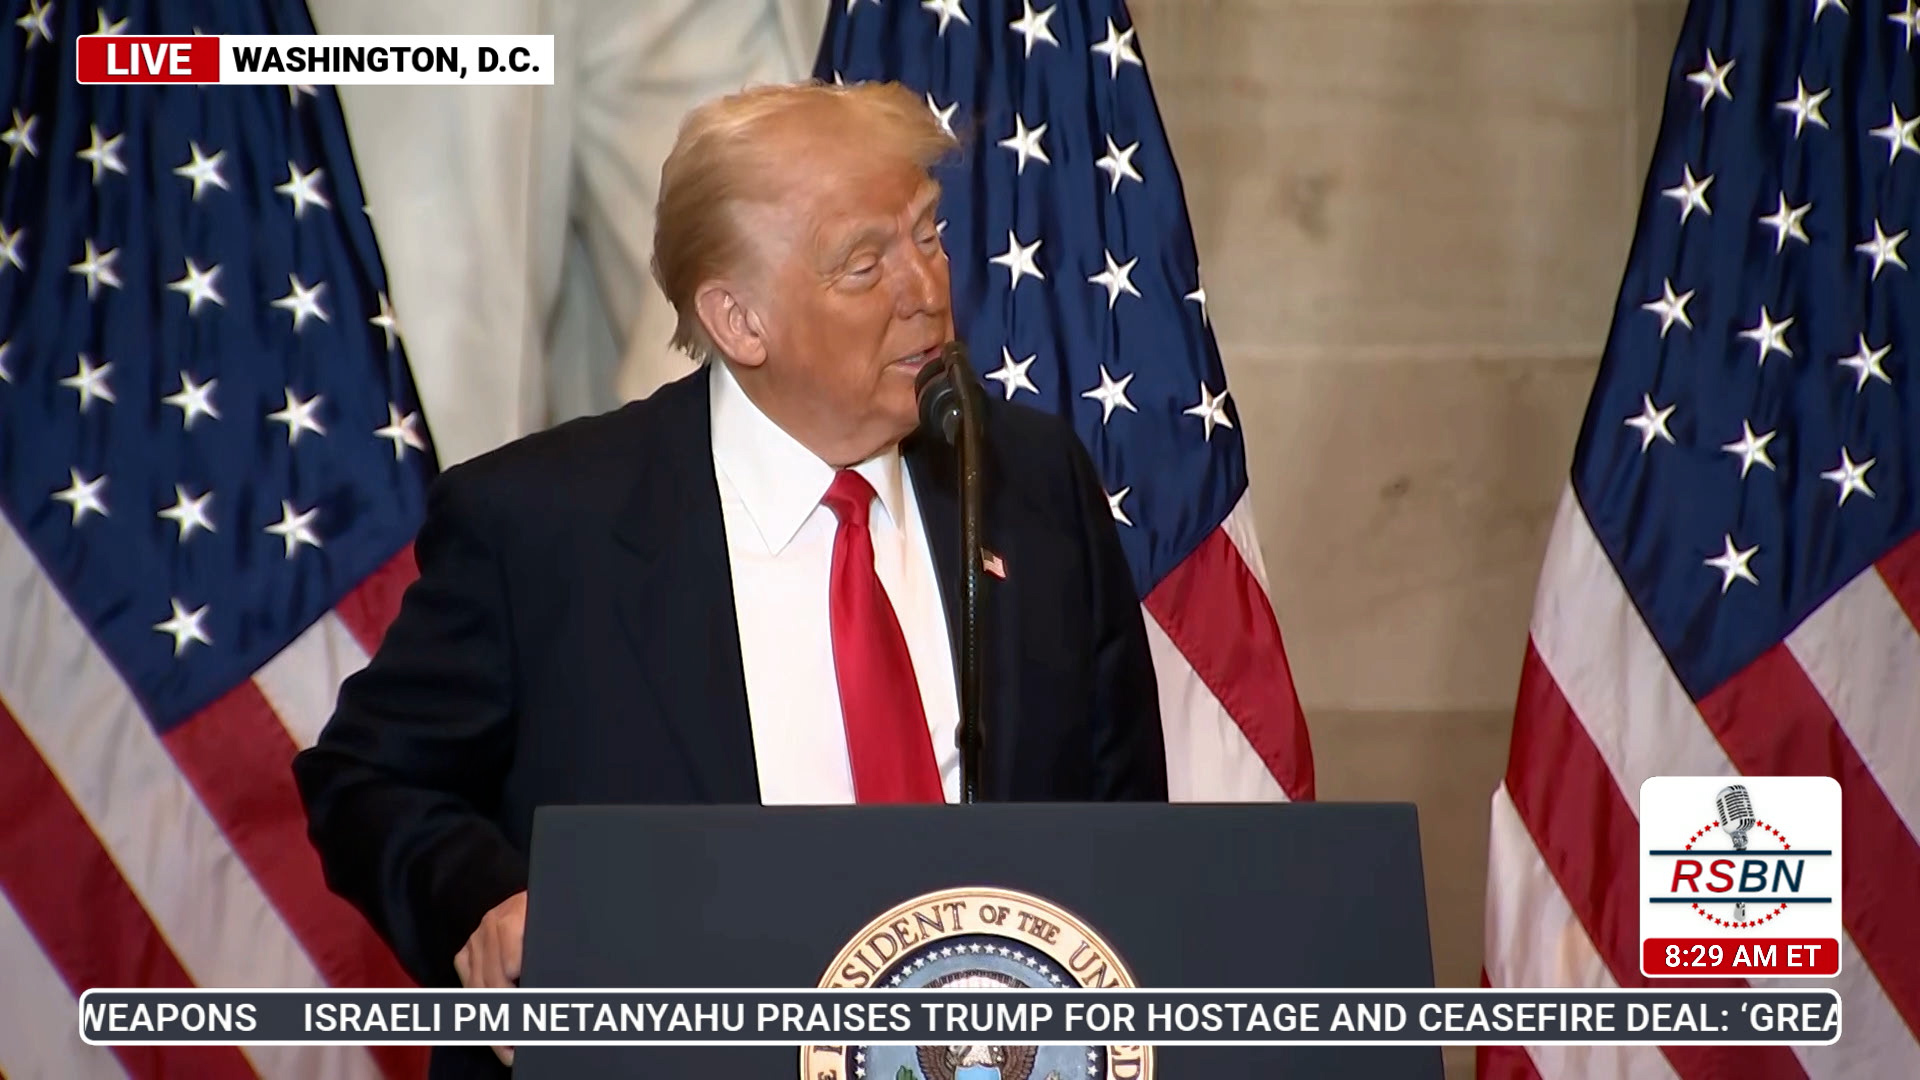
780 546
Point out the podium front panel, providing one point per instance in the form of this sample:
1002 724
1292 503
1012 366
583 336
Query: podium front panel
1265 895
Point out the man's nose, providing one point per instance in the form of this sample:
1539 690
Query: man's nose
922 283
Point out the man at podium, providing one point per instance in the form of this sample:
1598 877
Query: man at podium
741 589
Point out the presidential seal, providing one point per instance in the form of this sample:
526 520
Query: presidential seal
977 939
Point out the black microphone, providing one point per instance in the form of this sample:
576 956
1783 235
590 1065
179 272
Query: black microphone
939 398
950 406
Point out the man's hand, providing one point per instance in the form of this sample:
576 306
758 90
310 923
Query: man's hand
491 958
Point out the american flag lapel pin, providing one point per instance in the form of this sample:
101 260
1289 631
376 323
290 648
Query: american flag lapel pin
992 564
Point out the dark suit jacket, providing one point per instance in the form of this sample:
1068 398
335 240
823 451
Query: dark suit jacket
571 639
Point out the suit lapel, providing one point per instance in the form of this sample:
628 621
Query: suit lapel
676 601
936 488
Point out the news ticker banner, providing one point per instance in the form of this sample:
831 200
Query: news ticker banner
314 59
921 1017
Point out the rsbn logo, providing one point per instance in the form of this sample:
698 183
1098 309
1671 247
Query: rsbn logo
1751 858
1748 883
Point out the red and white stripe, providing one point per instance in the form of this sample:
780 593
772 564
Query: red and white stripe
128 859
1600 710
1234 728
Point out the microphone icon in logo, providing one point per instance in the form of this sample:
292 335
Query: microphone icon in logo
1734 808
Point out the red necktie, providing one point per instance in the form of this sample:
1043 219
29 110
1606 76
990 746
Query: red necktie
886 723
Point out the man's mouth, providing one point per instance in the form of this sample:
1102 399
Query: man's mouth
915 361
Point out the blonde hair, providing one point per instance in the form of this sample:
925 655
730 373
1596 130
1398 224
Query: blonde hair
724 159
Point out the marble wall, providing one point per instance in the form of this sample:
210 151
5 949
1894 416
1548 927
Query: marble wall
1412 217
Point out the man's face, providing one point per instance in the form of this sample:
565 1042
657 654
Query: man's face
857 299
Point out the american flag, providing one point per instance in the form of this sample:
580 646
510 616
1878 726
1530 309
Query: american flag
212 464
1733 582
1078 290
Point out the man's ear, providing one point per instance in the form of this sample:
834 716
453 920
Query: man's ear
735 327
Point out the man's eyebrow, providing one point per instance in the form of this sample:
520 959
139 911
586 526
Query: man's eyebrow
871 233
923 203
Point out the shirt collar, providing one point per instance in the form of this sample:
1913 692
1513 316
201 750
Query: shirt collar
778 480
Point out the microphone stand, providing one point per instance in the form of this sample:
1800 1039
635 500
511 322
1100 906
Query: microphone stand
970 736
